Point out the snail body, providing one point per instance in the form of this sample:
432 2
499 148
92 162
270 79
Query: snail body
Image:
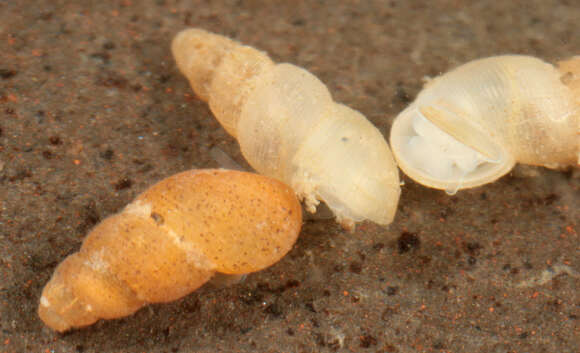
289 128
170 241
471 125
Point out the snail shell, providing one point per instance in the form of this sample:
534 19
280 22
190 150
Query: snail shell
471 125
289 128
171 240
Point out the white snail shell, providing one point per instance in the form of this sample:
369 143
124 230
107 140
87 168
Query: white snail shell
471 125
289 128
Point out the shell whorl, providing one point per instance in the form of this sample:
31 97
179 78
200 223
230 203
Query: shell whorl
221 71
570 77
518 100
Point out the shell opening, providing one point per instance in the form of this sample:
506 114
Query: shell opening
439 154
438 159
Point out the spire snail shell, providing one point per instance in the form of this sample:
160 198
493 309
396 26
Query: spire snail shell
289 128
169 241
471 125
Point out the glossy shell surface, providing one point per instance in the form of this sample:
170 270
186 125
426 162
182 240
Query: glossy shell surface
471 125
170 241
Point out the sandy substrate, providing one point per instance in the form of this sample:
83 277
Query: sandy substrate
93 111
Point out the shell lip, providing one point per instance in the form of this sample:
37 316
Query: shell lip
350 209
401 133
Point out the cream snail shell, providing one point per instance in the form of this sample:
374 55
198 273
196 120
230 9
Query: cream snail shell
471 125
289 128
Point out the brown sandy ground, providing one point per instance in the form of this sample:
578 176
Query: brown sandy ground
93 111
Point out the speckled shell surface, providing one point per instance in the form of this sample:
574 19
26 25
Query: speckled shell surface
170 241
